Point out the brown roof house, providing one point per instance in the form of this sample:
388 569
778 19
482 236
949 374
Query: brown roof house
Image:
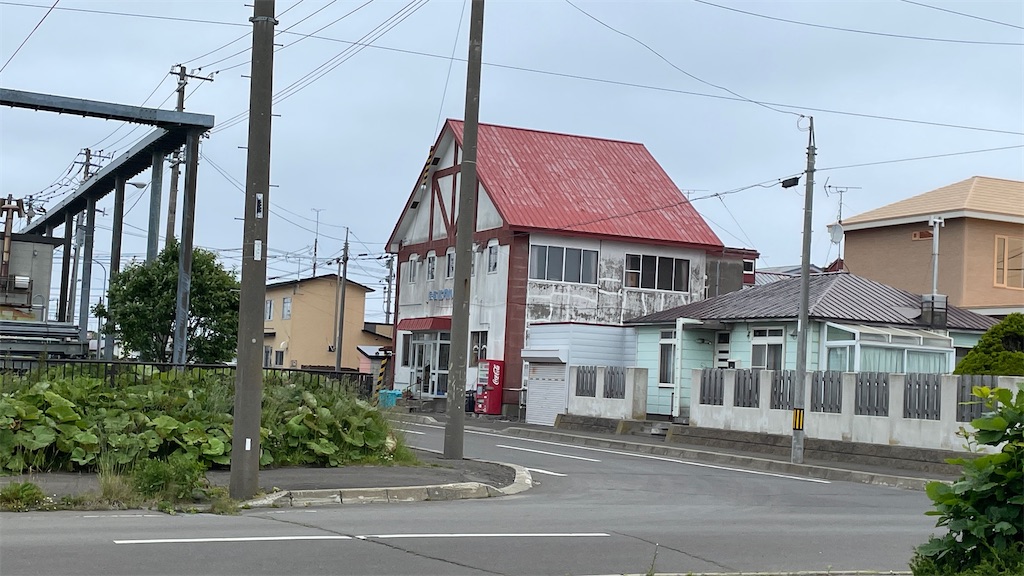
980 246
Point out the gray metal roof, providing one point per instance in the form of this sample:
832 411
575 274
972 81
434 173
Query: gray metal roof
833 297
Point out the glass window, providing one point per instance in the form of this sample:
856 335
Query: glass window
406 348
666 363
666 267
268 352
279 358
748 266
538 262
492 259
632 270
286 308
682 275
648 272
555 256
833 333
767 349
268 310
927 362
876 359
588 275
431 267
839 359
1009 262
477 347
573 264
450 268
412 269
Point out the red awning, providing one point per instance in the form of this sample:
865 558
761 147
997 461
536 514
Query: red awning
428 324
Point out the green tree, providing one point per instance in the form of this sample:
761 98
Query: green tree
141 307
1000 350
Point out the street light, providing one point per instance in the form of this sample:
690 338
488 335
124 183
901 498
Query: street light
99 336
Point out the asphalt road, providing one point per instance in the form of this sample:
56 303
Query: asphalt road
594 511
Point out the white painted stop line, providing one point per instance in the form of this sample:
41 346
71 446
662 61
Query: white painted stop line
232 539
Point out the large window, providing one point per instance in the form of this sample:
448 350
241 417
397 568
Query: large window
1009 262
766 348
268 310
657 273
286 308
477 347
667 358
563 264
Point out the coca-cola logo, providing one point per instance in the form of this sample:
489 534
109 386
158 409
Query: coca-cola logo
496 375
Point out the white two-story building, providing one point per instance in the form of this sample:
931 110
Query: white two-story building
570 229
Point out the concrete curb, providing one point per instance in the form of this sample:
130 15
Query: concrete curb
436 492
749 462
413 418
792 573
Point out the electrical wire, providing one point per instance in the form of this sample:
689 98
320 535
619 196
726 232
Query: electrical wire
320 71
673 65
559 74
963 14
921 158
451 61
854 31
20 46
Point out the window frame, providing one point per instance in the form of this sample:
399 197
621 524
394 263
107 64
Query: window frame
575 265
412 268
1002 258
431 267
492 259
667 342
647 272
450 264
477 343
268 309
286 308
768 337
278 357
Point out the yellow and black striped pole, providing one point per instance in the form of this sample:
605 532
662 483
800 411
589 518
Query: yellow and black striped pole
381 372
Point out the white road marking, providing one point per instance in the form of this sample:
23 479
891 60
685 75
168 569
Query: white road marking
548 472
122 515
231 539
547 453
646 456
502 535
410 431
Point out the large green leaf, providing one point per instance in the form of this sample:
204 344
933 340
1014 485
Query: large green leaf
164 425
62 413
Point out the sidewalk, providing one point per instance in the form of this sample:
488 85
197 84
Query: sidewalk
656 445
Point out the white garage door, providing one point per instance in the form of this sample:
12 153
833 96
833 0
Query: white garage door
547 394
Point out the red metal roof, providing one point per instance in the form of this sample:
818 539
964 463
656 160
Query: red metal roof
427 324
559 182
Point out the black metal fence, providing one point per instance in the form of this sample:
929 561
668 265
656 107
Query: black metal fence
122 373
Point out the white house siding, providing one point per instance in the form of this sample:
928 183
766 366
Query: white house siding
609 302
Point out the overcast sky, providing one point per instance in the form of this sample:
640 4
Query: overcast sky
352 141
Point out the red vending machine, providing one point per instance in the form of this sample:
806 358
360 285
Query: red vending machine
490 380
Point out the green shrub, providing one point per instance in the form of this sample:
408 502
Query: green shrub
21 496
1000 351
178 477
984 509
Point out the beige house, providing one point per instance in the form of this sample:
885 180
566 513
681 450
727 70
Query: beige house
301 319
981 244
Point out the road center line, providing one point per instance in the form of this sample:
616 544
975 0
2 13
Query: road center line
231 539
548 472
501 535
645 456
547 453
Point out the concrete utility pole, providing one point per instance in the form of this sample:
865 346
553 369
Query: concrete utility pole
316 236
387 291
176 159
465 227
799 385
245 446
79 239
341 306
156 190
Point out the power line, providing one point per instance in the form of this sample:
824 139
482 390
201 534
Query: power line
854 31
963 14
922 157
673 65
561 74
451 61
38 24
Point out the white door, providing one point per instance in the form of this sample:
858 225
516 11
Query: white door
547 393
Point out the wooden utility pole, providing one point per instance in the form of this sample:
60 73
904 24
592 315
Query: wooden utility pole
455 426
245 445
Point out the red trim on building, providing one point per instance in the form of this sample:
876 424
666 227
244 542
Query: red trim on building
515 315
427 324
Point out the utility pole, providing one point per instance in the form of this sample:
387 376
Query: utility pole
176 159
341 306
799 385
245 448
316 236
454 429
79 240
387 291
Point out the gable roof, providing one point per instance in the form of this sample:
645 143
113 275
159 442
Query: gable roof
978 197
833 297
544 181
333 277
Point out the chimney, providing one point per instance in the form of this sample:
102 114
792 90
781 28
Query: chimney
933 311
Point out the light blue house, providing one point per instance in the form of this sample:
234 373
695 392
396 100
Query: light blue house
855 325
